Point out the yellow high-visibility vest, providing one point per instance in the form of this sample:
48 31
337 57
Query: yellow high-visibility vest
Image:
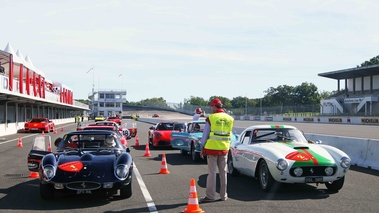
220 132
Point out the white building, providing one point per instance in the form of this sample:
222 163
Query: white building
106 102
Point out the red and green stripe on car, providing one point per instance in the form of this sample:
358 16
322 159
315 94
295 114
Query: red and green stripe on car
307 157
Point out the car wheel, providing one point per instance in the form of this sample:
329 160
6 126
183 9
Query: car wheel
183 152
335 186
46 191
231 170
195 155
126 192
266 181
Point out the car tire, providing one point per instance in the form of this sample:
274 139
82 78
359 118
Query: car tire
335 186
231 170
266 181
126 192
46 191
195 155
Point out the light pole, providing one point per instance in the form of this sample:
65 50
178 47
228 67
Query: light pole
261 106
92 106
93 79
121 79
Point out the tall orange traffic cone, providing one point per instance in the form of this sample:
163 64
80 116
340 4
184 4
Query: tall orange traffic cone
164 169
193 202
137 141
55 130
34 175
43 133
49 147
147 151
19 142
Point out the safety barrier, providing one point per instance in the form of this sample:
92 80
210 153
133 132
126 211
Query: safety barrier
362 151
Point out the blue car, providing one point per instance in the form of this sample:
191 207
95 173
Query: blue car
188 140
85 162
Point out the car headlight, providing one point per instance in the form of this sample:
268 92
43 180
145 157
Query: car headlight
122 171
282 164
49 171
329 170
298 172
345 162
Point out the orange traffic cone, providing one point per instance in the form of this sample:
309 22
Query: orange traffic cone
49 147
164 169
193 202
55 130
43 133
137 141
19 142
147 151
34 175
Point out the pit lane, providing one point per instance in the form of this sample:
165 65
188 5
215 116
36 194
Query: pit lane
169 192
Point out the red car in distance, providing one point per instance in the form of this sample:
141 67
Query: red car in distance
115 119
114 129
132 127
39 124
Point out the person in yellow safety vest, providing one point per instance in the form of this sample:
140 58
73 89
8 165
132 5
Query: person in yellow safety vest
215 144
78 119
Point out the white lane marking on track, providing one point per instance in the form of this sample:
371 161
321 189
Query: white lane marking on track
145 192
17 139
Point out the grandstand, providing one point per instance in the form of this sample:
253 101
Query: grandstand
359 96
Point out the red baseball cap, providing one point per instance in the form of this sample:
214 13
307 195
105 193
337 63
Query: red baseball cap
216 102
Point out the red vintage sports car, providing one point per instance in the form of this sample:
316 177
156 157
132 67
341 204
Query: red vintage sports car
132 127
115 119
123 138
39 124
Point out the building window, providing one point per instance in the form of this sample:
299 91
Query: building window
101 95
117 104
101 104
109 96
109 104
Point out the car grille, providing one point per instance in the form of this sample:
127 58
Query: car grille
84 185
313 171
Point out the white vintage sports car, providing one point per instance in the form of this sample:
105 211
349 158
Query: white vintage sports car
281 154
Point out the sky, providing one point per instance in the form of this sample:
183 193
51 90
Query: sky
178 49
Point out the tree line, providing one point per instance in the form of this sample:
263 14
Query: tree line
283 95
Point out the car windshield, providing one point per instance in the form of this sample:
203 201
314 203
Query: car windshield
278 135
38 120
165 126
88 141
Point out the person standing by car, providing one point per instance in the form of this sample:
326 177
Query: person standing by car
215 145
197 115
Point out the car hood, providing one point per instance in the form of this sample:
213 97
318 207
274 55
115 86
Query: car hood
302 154
86 165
